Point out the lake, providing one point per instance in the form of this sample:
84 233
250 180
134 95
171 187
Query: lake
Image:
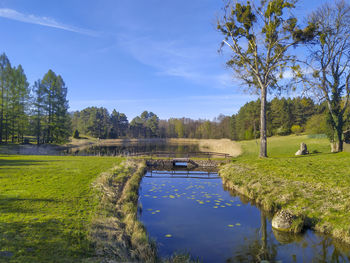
130 149
192 212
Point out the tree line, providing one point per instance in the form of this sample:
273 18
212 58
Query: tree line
284 116
39 111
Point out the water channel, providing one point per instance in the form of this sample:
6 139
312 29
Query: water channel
192 212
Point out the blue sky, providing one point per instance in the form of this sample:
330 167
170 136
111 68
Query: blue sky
155 55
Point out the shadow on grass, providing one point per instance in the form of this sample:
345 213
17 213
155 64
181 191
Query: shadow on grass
44 241
20 205
7 162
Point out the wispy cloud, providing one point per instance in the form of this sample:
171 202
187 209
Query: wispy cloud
43 21
198 64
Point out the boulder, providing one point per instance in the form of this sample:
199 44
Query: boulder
303 150
286 222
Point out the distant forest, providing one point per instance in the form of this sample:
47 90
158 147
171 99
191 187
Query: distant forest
284 116
40 113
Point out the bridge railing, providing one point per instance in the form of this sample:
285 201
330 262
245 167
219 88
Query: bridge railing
183 155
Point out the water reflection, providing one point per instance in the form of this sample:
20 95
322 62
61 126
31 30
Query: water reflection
130 149
200 217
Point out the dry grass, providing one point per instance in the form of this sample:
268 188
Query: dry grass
116 232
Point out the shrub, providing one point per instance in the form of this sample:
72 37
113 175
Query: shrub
76 134
296 129
282 131
317 124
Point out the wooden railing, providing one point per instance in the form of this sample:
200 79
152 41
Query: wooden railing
182 155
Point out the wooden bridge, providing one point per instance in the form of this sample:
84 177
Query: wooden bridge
182 174
187 155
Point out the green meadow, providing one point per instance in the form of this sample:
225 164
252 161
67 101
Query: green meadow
46 206
314 186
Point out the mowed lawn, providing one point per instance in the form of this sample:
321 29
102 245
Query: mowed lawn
46 206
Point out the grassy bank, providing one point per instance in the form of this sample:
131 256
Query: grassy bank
315 186
46 206
116 232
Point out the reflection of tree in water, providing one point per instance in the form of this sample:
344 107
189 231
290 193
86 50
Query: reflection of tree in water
257 248
327 250
126 149
264 246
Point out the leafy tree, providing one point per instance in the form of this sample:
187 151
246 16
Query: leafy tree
259 38
179 128
317 124
330 64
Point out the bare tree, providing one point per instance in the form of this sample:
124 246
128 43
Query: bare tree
329 62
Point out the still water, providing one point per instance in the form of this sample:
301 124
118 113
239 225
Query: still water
191 212
129 149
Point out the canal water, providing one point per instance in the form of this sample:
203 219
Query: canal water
192 212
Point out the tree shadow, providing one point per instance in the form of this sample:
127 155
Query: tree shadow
44 241
20 205
8 162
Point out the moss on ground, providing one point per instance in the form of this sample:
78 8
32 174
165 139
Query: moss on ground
314 186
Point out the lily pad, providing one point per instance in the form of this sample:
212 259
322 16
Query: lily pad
230 225
168 235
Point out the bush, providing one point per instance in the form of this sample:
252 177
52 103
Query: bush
282 131
76 134
296 129
317 124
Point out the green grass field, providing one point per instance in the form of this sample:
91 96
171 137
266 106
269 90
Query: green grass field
46 206
316 185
